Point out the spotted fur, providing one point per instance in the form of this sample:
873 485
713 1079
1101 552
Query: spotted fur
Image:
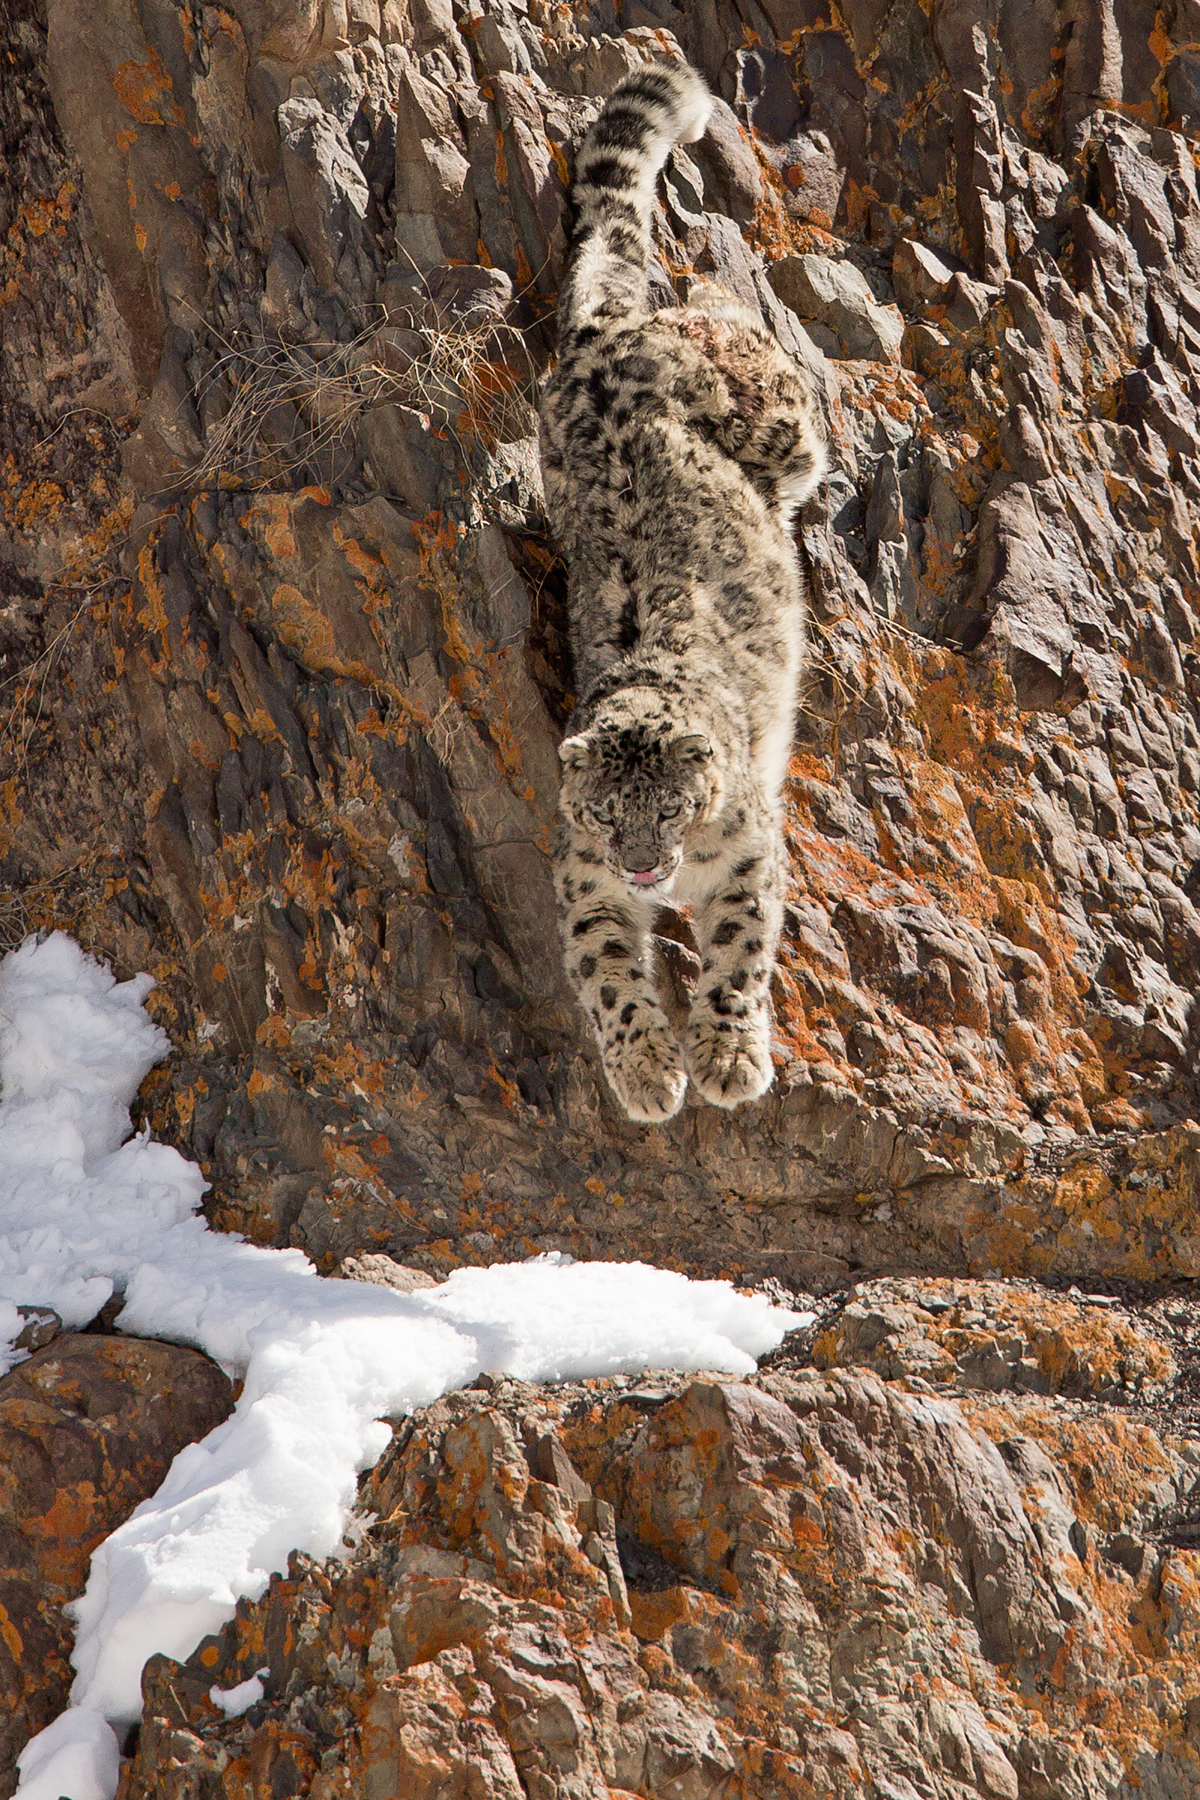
676 446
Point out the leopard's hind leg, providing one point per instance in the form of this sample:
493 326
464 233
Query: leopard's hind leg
716 302
771 424
737 916
784 452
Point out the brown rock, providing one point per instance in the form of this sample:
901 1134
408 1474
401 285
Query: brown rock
382 624
286 735
834 1580
88 1428
976 1334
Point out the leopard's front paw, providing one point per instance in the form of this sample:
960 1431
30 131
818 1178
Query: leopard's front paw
646 1073
729 1060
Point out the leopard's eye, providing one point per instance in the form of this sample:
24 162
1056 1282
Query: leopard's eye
602 812
671 811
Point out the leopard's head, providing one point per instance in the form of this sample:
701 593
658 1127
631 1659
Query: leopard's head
640 783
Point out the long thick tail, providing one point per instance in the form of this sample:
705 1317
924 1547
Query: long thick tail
616 169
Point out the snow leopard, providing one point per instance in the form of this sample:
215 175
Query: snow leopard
676 445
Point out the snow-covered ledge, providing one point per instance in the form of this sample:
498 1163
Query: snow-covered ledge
86 1210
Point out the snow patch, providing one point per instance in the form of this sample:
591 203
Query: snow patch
76 1756
235 1701
84 1214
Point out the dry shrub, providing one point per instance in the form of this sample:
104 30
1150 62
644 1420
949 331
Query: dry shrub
289 404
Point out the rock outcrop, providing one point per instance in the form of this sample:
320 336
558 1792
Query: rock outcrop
306 645
88 1427
955 1572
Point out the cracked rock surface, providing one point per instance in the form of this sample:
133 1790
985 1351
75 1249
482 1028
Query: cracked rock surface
283 655
88 1428
867 1571
280 287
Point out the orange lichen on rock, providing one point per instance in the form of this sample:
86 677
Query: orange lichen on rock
88 1428
140 86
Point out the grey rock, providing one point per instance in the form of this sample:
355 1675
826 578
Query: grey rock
1126 1552
385 1271
836 295
42 1325
921 276
470 291
410 465
813 179
328 194
726 156
283 292
436 214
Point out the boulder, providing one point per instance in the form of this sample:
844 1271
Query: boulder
89 1426
836 295
732 178
696 1587
921 276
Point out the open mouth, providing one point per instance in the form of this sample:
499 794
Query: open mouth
646 879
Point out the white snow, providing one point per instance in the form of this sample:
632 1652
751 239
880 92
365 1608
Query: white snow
235 1701
10 1324
76 1756
83 1214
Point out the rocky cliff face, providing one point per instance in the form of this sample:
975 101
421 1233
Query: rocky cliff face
282 645
301 625
911 1559
305 644
89 1425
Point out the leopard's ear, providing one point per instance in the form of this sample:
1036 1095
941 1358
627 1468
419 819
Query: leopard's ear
575 752
693 748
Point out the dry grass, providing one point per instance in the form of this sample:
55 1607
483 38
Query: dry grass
15 921
311 396
30 683
823 663
57 902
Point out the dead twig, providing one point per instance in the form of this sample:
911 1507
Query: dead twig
317 392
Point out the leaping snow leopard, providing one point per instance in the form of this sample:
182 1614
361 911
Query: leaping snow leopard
676 446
